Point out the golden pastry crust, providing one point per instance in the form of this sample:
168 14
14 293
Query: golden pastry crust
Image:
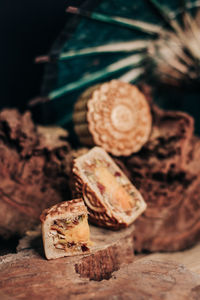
114 115
65 229
102 213
71 206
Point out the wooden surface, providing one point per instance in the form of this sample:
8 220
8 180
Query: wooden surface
189 258
110 250
28 275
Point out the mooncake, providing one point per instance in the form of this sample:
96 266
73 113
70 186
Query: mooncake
114 115
65 229
112 200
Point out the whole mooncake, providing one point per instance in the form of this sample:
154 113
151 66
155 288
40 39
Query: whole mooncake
65 229
114 115
111 199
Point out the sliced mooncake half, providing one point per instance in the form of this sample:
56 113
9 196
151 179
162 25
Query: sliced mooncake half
112 200
65 229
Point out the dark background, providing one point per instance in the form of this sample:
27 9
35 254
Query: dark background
27 29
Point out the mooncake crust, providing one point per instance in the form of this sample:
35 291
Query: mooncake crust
99 213
60 211
71 206
114 115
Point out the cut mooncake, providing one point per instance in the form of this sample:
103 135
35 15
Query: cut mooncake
65 229
111 199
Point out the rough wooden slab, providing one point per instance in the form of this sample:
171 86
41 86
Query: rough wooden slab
111 250
32 171
27 275
190 258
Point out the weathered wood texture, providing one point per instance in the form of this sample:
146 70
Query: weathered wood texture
167 173
111 249
28 275
32 175
190 258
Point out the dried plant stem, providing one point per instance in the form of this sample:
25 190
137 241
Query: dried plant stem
138 45
175 52
175 46
160 52
125 22
132 75
131 61
180 10
166 14
133 46
42 59
193 27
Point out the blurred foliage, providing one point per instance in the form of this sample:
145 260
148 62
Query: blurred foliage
28 31
91 33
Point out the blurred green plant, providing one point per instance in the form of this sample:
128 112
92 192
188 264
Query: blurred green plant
103 46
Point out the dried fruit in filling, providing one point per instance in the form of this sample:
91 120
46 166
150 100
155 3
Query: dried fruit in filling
65 229
112 200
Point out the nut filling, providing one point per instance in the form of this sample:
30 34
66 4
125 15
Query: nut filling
71 234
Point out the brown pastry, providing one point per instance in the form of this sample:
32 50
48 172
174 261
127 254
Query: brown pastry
110 197
114 115
65 229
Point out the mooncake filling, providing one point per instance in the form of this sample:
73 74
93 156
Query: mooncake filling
71 234
113 186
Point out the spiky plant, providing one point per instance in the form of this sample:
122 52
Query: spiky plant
172 55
